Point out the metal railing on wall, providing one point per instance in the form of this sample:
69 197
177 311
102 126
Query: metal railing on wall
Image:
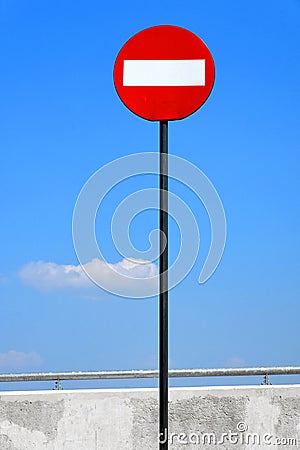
57 377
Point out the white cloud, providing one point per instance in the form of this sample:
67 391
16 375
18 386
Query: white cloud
14 359
47 275
128 277
235 361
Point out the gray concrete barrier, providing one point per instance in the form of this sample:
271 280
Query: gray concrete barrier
265 417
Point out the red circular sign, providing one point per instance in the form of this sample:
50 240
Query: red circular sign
164 73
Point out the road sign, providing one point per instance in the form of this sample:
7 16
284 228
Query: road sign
164 73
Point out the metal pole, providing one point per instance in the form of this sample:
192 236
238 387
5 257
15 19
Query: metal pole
163 288
129 374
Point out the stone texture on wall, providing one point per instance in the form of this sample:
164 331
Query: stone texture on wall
264 417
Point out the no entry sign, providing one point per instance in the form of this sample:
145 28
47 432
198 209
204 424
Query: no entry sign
164 73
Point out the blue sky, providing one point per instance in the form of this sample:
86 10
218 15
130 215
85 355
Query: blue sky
61 120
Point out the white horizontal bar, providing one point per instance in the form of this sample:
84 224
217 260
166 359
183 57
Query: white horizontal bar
170 72
110 374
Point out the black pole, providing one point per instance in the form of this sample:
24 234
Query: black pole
163 288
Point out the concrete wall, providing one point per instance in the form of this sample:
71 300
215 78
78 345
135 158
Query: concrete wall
265 417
